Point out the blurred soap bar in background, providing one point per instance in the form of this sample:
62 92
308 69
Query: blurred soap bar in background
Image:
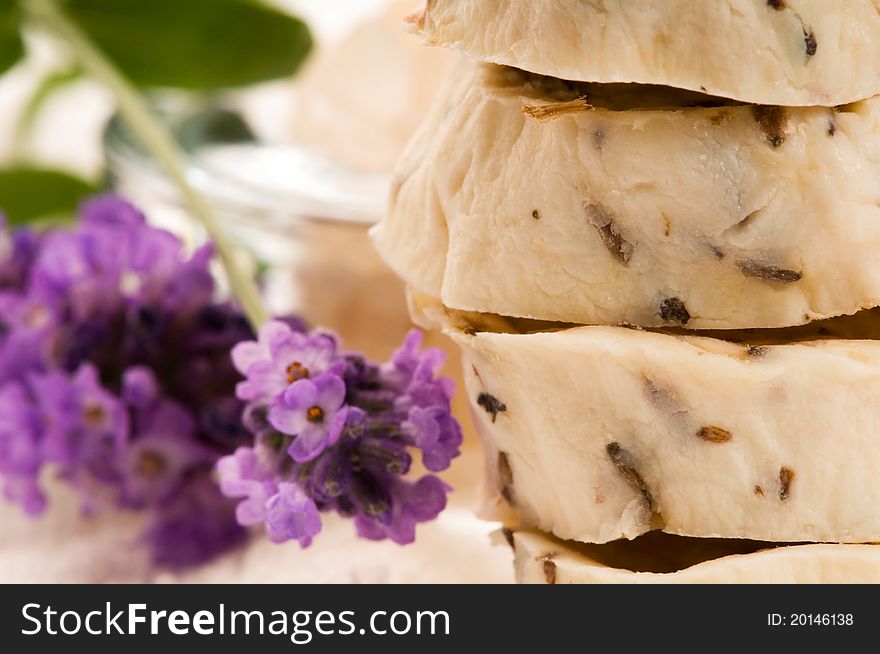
362 96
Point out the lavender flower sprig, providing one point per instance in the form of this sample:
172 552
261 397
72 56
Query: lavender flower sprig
121 372
335 433
115 372
120 396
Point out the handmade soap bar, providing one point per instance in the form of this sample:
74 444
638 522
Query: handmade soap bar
788 52
600 204
540 559
601 433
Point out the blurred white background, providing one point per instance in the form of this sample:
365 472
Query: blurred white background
67 133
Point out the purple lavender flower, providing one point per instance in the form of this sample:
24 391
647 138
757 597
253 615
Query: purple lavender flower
434 431
195 526
280 357
312 412
422 401
17 253
26 311
83 426
115 371
409 504
110 209
412 373
364 477
140 388
104 417
291 515
288 512
243 476
163 451
110 258
341 442
18 352
20 457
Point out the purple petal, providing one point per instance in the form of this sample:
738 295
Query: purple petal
139 387
235 472
335 426
252 510
288 421
330 392
368 528
427 498
288 345
309 443
270 331
302 394
110 209
291 515
246 354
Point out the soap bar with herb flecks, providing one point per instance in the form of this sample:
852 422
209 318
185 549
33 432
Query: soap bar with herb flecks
600 433
643 205
540 559
788 52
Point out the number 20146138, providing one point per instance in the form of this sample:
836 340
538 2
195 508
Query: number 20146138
810 620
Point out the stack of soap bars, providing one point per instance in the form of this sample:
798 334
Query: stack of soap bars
653 229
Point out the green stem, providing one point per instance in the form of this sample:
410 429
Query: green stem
157 140
52 81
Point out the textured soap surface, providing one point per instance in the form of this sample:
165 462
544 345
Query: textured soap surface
638 209
600 433
540 559
788 52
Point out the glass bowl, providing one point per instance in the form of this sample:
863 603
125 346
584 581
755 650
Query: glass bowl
299 217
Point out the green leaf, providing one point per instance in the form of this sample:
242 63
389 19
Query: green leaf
11 46
28 194
194 44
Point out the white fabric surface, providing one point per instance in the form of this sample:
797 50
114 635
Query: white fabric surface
62 547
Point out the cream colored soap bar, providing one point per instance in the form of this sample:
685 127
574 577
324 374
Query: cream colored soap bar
600 433
788 52
637 210
540 559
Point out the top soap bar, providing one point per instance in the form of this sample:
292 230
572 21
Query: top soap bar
778 52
